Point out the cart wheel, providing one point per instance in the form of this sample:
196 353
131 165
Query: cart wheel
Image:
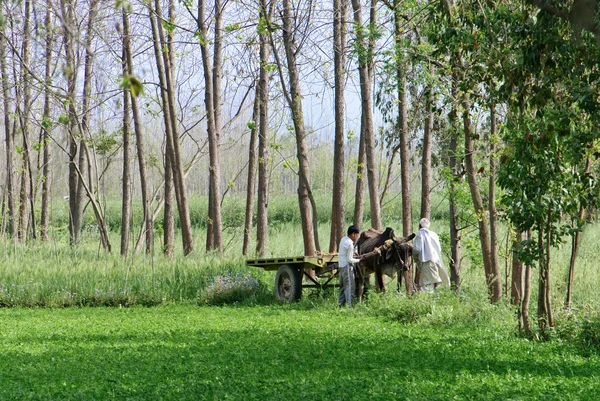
288 284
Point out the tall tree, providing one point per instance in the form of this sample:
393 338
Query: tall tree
365 37
126 188
134 88
23 112
212 102
264 30
46 126
338 212
308 211
8 137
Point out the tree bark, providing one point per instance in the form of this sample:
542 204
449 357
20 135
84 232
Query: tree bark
126 187
494 263
426 160
9 141
359 195
251 179
575 247
338 212
367 129
493 279
70 70
212 84
173 140
46 123
517 277
25 193
524 324
295 102
454 166
139 135
263 132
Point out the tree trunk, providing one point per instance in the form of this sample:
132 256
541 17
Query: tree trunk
251 179
169 190
25 193
426 160
139 135
9 140
575 247
524 324
85 167
454 166
70 70
359 195
263 133
493 279
126 190
295 102
338 212
212 84
494 263
367 129
46 123
517 277
174 148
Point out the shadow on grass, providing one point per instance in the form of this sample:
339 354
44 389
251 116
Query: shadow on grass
280 353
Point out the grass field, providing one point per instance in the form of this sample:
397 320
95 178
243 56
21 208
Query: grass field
306 351
81 324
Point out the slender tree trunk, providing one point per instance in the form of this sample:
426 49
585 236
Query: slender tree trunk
212 83
402 123
524 323
9 140
426 161
169 190
517 277
176 157
126 189
295 100
70 70
367 129
575 247
359 195
338 212
266 11
454 165
46 123
148 221
24 194
494 263
251 181
493 278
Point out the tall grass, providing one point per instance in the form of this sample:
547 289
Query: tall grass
55 274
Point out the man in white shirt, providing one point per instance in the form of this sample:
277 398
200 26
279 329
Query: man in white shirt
428 254
346 260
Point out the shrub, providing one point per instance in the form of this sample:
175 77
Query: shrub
232 290
589 336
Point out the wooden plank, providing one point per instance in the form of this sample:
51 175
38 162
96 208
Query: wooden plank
305 261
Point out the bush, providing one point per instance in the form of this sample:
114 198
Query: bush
589 337
232 290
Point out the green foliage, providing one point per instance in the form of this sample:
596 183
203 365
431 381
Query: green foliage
277 352
132 83
590 335
235 290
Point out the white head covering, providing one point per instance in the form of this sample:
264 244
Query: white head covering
424 223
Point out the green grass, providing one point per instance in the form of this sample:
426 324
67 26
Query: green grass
307 351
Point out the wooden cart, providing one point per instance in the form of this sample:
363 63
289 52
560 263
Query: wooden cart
292 270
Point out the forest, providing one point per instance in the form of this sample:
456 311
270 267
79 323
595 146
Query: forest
121 117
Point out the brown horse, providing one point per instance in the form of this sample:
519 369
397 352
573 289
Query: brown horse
384 254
